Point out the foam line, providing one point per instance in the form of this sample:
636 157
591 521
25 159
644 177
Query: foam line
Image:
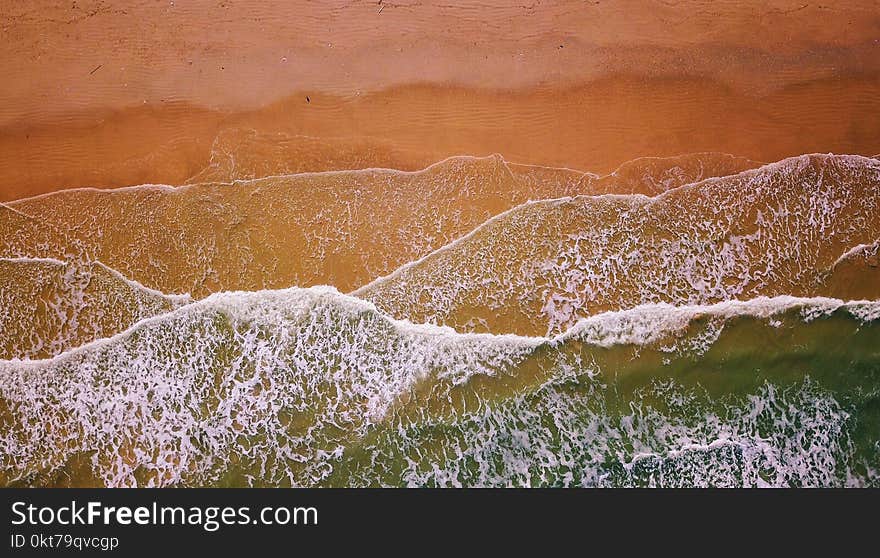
859 248
643 324
432 166
26 260
708 181
183 187
179 298
647 323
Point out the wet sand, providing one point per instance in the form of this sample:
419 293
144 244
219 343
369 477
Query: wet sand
101 96
595 127
720 386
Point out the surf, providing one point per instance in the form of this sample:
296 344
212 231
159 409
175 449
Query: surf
302 387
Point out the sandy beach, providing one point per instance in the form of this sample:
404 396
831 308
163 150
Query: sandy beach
395 243
102 96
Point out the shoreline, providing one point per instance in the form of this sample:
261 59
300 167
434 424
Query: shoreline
595 127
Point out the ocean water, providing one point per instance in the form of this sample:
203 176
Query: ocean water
540 267
698 321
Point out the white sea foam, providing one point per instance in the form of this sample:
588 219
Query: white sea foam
285 380
559 436
277 385
544 265
258 361
48 305
261 179
30 260
345 172
330 227
863 250
651 323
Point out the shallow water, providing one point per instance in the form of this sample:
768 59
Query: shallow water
471 244
786 228
313 388
655 375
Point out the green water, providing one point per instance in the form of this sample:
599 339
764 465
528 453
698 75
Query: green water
307 387
797 405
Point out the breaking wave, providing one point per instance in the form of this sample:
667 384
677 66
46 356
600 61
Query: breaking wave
309 387
542 266
690 321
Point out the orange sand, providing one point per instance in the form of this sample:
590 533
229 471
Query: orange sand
595 126
96 94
